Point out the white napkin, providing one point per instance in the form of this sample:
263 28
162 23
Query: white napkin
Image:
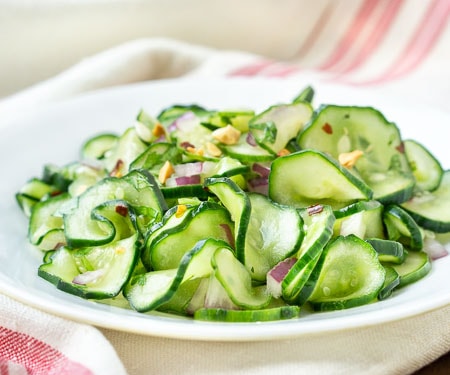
393 348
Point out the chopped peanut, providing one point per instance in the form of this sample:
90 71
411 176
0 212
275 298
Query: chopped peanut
165 172
283 152
158 130
181 209
227 135
213 150
195 151
349 159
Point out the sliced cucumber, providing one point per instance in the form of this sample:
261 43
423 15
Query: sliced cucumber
425 167
274 233
238 205
154 157
415 267
236 280
401 227
166 249
149 291
342 129
234 316
96 147
350 274
306 95
43 218
93 272
431 210
295 180
388 251
363 218
276 126
391 282
84 226
247 152
318 224
128 147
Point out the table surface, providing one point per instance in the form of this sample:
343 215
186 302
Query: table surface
439 367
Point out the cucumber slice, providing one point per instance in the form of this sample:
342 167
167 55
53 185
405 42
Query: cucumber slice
43 218
31 192
341 129
306 95
416 266
247 152
274 233
431 210
401 227
391 282
166 249
238 205
318 224
425 167
311 177
349 275
236 280
93 272
238 118
96 147
84 226
154 157
128 147
276 126
151 290
388 251
363 219
234 316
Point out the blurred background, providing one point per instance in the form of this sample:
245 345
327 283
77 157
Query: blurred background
40 38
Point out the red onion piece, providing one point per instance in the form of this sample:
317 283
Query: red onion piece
187 180
434 248
185 119
228 234
88 277
251 140
188 169
259 185
276 275
262 170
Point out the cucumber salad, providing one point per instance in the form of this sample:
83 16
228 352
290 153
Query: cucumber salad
241 216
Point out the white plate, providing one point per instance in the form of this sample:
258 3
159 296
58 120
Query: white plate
54 134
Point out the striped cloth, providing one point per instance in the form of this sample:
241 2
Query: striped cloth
398 46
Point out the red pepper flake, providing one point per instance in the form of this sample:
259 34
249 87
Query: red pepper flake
327 128
315 209
122 210
117 170
186 145
401 148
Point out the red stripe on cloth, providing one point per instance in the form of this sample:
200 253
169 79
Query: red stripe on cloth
421 42
381 27
359 21
252 69
315 32
36 356
4 367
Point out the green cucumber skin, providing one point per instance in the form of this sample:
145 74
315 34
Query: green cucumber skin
351 295
286 186
431 210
